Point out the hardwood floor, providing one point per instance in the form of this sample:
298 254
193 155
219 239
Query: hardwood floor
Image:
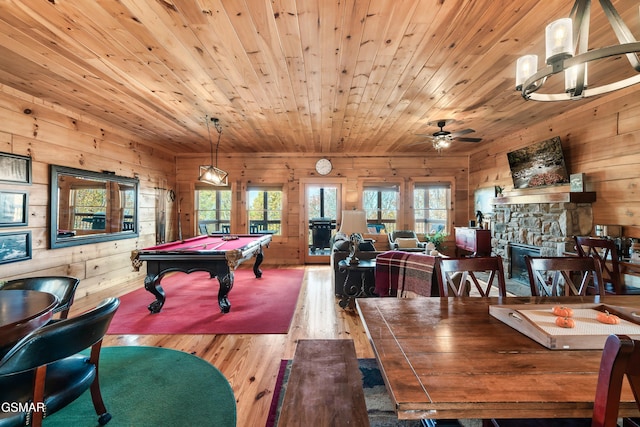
251 362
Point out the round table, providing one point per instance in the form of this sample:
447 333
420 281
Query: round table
22 312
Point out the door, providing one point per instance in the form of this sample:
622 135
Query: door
322 202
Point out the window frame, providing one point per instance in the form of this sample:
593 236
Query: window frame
379 187
217 221
434 182
266 188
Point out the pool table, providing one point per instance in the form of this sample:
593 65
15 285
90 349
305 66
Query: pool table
217 254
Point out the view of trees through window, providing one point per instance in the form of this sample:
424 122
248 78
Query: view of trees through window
381 206
86 203
430 204
322 202
213 210
264 210
89 206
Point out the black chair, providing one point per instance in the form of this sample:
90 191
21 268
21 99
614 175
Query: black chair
620 358
61 286
558 276
45 369
203 229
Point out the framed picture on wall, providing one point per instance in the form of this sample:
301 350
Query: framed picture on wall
15 169
13 208
15 246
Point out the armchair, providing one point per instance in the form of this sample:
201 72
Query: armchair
43 372
405 240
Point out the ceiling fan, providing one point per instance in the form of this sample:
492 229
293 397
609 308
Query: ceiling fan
442 138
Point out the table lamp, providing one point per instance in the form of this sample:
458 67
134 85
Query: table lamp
354 225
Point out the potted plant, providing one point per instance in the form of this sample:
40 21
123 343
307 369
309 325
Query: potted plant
437 238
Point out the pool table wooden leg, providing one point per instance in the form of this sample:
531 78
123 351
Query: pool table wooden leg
256 265
152 284
226 283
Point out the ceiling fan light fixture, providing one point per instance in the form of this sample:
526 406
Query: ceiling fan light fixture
210 174
441 142
567 50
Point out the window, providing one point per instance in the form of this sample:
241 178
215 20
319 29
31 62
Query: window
381 205
213 210
264 210
431 207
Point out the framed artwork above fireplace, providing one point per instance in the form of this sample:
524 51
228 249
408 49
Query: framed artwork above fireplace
538 165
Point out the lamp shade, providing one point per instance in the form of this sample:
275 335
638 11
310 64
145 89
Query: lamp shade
212 175
353 222
525 67
559 41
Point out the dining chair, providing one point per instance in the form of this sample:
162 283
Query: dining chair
43 372
564 276
620 358
606 253
63 287
456 275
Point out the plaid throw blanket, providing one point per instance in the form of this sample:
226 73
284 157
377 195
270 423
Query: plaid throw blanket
400 272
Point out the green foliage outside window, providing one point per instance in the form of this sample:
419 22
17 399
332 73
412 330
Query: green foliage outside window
213 209
381 207
430 204
264 210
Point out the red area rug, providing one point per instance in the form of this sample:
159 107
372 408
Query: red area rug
258 306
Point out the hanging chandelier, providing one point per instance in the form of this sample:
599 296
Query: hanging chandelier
211 174
567 51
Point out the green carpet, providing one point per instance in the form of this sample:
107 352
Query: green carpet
151 386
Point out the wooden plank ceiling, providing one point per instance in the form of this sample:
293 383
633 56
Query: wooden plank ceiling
302 76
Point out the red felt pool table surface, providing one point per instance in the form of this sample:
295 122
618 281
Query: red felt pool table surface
207 243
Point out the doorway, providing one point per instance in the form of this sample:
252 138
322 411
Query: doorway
323 205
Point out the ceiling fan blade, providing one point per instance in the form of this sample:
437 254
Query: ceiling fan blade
424 135
461 132
469 139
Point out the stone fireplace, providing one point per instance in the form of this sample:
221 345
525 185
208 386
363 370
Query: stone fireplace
541 224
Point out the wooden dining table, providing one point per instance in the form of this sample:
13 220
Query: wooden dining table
447 358
22 312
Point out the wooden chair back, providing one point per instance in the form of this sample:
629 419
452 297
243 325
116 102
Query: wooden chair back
620 358
605 252
457 275
564 276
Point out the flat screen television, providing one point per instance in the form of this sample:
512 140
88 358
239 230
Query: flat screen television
538 165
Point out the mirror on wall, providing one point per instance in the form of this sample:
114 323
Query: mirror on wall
90 207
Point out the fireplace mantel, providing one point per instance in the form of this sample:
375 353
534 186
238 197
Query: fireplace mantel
561 197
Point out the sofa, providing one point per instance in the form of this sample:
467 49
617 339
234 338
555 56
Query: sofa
339 252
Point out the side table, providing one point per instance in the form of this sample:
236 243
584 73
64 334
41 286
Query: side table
362 289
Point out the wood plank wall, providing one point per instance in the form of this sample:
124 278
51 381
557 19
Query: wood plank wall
51 135
603 142
292 171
